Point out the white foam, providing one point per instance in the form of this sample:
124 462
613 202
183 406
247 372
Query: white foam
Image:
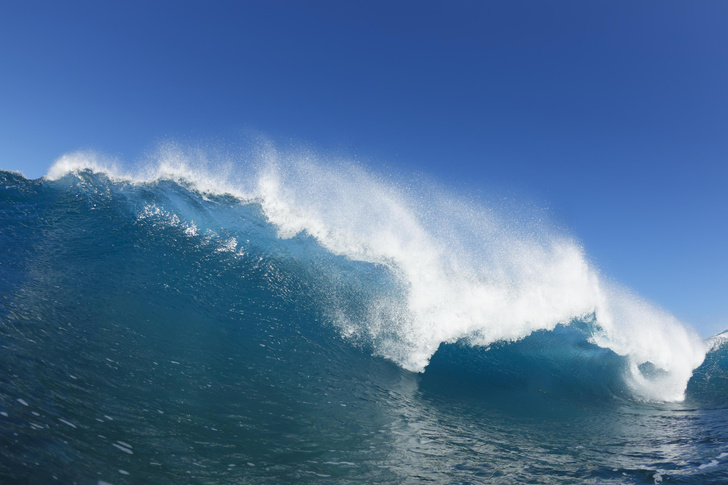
67 423
469 271
123 448
77 161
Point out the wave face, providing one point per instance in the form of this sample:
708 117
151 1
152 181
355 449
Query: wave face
293 320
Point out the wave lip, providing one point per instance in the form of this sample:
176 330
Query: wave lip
458 271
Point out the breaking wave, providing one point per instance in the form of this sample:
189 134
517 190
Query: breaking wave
405 270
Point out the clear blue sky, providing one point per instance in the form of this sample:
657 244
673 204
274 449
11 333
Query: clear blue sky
614 114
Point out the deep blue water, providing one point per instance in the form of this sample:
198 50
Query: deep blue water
153 333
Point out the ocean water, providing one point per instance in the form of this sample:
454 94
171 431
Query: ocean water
296 322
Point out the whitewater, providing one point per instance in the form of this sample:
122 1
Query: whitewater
283 318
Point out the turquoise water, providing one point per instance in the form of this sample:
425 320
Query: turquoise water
166 330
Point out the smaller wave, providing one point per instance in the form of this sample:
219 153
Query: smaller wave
709 382
717 341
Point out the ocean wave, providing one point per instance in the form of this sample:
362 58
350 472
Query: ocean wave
406 271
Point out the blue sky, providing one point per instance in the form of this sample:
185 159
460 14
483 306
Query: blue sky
613 115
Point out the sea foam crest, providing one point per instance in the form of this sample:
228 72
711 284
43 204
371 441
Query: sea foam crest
470 272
